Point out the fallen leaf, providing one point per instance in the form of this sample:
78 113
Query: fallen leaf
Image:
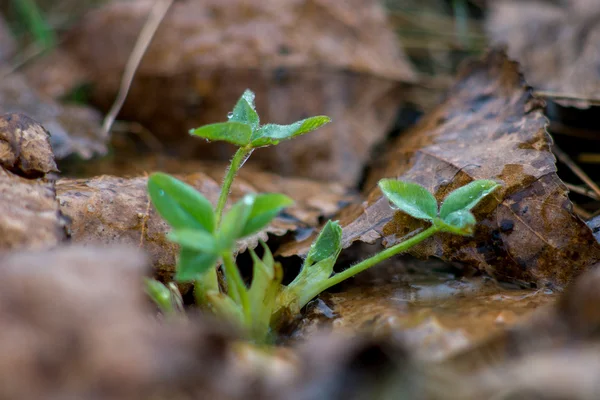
489 127
109 209
25 146
29 214
555 42
347 65
436 316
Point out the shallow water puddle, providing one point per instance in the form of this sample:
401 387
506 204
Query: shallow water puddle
436 316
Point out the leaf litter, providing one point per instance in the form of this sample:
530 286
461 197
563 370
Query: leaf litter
489 127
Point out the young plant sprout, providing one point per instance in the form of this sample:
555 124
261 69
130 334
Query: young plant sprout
206 236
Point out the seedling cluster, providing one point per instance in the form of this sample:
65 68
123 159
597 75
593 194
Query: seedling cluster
207 236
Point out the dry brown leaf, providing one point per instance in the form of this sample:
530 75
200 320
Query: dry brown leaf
109 209
489 127
555 42
301 57
25 146
29 214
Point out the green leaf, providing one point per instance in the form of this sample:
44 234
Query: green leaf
234 222
160 294
327 244
467 197
461 222
245 111
237 133
226 308
272 134
180 204
193 264
410 197
194 240
263 273
264 208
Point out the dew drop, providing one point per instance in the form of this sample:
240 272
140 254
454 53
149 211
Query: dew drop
393 206
161 192
229 115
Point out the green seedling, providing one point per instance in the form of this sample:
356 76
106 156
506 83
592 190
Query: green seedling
207 236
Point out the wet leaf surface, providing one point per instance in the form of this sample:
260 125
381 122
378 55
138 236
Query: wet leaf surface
109 209
555 42
435 314
489 127
346 65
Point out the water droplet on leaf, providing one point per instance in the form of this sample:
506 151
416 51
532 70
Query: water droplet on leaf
229 115
161 192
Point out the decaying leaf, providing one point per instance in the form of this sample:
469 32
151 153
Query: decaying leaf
436 317
555 42
344 64
489 127
74 129
29 214
25 146
109 209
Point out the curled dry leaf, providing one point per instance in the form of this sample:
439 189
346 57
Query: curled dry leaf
347 65
109 209
489 127
555 42
25 146
29 214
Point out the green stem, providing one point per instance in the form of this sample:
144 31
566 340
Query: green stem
371 261
209 281
236 162
236 286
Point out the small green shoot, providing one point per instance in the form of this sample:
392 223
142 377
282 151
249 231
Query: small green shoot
207 236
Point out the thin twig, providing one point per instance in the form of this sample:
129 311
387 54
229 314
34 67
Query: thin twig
158 12
565 96
582 191
583 214
565 159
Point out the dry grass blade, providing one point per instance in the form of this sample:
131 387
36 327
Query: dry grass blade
158 12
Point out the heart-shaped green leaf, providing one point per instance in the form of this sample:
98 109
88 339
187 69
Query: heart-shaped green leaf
264 208
410 197
180 204
245 111
237 133
467 197
327 244
194 239
272 134
192 264
461 222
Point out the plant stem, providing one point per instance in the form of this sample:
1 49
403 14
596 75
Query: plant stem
371 261
210 281
237 288
236 162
